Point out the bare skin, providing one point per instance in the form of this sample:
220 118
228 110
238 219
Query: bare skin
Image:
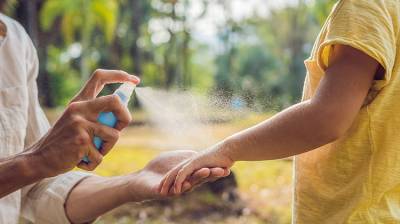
3 30
298 129
70 139
96 195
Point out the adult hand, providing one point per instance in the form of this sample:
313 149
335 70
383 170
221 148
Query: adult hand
96 195
70 139
174 181
144 185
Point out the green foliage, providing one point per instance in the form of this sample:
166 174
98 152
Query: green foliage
8 6
65 80
203 69
322 8
262 60
80 16
257 58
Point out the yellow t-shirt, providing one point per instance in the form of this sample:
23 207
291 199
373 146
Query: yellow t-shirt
356 179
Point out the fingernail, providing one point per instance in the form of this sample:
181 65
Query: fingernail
134 79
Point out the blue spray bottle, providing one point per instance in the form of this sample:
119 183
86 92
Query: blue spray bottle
124 92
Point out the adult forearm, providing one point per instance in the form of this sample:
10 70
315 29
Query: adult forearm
293 131
19 171
95 196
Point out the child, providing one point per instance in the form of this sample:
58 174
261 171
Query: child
345 132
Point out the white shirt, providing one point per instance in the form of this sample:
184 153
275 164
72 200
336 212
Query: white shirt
22 122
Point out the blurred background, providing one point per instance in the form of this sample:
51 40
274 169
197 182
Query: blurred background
250 53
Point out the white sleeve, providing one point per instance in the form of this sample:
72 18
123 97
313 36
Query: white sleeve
43 202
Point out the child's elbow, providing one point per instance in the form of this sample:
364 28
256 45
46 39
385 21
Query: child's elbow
330 123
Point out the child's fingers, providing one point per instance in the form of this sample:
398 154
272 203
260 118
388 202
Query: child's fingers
204 175
181 177
169 180
216 173
199 175
199 178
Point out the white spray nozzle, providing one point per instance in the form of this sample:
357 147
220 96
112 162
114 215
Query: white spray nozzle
125 91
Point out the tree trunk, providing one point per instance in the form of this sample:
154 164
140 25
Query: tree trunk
296 43
27 15
170 55
135 51
85 43
187 78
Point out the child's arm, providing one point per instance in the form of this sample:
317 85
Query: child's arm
300 128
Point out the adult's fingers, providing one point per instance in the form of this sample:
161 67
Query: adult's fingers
218 172
110 103
124 120
227 172
99 78
108 135
94 157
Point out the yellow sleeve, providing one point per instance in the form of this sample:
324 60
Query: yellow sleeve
367 26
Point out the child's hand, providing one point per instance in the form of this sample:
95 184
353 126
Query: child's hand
144 184
212 158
